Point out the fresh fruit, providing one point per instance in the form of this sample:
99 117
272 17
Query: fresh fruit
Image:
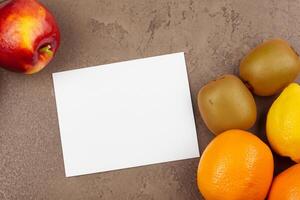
283 123
29 36
286 186
226 104
235 165
270 67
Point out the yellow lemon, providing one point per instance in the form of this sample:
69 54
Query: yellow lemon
283 123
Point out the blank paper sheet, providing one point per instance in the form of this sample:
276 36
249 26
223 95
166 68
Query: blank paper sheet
125 114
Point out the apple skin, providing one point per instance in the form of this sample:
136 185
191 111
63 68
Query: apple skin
29 36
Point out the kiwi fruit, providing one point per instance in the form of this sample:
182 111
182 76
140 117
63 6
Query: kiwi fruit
270 67
226 103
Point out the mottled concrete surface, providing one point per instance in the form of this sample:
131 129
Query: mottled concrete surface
214 35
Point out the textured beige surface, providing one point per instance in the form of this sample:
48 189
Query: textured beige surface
214 34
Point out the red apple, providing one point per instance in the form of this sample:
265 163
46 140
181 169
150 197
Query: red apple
29 36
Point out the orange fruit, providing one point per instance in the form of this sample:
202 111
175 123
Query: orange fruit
236 165
286 186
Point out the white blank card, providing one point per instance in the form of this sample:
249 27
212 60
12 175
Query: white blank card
125 114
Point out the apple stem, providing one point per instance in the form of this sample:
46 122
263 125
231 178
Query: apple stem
46 50
2 1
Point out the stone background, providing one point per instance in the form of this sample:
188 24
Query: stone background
214 34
